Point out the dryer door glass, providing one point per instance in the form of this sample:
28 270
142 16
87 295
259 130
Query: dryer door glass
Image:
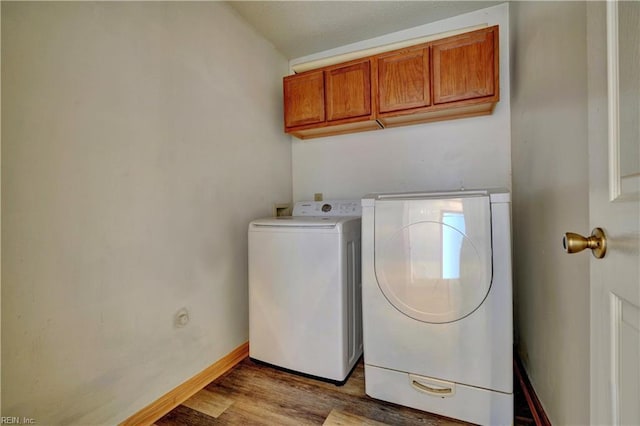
433 256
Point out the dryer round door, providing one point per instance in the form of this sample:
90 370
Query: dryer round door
433 257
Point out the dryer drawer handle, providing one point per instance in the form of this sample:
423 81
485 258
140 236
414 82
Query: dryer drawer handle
430 390
437 388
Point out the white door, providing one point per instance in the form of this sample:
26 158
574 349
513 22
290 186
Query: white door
614 161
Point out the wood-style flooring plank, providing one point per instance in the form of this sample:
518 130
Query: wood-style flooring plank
209 403
185 416
265 396
341 418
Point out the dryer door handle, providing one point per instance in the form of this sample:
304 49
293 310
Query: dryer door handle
432 386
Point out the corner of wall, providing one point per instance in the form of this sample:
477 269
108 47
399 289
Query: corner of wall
549 126
0 212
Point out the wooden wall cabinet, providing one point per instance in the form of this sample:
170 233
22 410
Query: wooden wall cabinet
304 99
453 77
463 74
464 66
337 99
403 80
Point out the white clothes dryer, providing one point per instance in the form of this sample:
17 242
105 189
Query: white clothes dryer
305 287
437 302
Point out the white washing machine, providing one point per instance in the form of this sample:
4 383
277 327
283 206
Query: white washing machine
305 287
437 303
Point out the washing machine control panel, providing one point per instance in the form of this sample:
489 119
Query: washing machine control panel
328 208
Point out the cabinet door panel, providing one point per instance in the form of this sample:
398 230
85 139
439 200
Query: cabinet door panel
463 66
304 99
403 80
348 91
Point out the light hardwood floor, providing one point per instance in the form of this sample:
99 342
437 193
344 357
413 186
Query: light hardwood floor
254 394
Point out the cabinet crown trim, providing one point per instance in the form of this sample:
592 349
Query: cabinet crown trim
363 53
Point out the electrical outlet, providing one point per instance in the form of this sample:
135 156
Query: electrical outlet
181 318
283 209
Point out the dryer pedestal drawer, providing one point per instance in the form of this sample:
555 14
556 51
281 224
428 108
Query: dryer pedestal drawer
475 405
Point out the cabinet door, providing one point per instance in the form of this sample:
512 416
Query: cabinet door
304 99
403 80
464 66
348 91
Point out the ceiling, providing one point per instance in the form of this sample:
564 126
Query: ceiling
301 28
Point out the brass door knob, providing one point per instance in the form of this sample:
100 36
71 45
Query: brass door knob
597 242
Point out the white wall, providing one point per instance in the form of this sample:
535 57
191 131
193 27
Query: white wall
551 197
471 152
139 139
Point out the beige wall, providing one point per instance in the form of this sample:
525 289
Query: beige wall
0 216
550 197
470 152
139 140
